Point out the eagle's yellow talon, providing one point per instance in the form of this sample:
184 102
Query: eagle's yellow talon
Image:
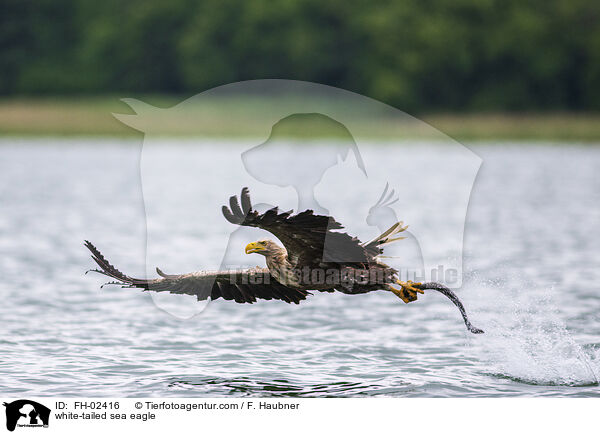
416 286
404 295
408 292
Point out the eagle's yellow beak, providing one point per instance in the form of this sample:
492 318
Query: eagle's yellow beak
254 248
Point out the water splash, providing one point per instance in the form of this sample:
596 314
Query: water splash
527 339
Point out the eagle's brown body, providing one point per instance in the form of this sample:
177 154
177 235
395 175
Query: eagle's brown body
316 255
348 278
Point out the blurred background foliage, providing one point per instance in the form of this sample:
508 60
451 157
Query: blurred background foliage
418 55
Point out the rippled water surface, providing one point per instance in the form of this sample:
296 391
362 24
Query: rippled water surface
531 264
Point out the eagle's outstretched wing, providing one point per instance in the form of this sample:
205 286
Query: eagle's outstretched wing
307 237
243 286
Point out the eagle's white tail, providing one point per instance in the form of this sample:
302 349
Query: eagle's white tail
388 236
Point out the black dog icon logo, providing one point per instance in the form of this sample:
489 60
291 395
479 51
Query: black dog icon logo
25 412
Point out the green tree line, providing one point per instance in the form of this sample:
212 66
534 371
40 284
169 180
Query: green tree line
414 54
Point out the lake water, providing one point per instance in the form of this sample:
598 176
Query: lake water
531 279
